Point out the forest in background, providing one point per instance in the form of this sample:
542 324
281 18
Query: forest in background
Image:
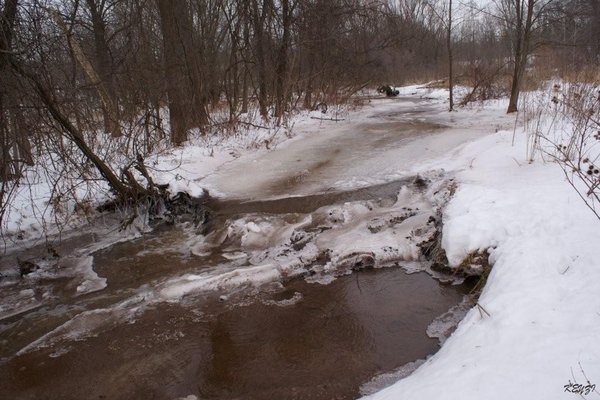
89 88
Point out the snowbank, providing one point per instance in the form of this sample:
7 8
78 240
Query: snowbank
540 338
537 326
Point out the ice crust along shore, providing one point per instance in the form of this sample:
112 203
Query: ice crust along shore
541 324
540 338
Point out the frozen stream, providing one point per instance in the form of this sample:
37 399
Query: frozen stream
265 304
380 146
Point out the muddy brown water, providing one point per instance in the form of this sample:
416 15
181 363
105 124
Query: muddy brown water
309 203
305 341
296 341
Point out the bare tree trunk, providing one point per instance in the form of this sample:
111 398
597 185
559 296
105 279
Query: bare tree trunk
8 167
6 161
246 35
282 65
104 64
232 79
517 50
73 133
91 74
244 92
259 18
595 28
307 104
187 101
173 49
522 46
449 47
7 22
21 133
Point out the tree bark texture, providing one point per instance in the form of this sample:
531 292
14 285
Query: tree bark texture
522 44
187 102
449 47
88 68
104 66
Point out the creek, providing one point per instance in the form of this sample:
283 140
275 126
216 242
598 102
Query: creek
307 285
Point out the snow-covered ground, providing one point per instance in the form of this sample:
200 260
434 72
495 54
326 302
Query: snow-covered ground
379 143
536 332
536 328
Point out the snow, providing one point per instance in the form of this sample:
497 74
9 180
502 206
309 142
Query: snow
394 241
542 294
235 279
394 136
53 199
243 165
537 323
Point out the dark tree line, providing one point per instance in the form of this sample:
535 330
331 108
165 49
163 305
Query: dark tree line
79 69
82 80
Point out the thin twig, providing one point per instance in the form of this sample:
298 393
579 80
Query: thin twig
480 308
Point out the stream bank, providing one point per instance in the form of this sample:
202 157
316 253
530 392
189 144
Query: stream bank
319 229
300 297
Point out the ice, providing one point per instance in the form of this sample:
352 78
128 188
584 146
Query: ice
17 303
89 286
236 255
92 282
442 327
176 288
253 227
537 321
328 156
384 380
86 324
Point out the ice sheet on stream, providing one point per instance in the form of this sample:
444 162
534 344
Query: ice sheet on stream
331 241
259 249
378 239
88 323
37 288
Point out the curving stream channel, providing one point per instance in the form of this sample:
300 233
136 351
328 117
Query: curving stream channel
305 291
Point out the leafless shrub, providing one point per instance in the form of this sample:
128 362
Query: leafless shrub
571 136
486 80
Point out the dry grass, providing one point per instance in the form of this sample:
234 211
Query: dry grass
555 64
476 264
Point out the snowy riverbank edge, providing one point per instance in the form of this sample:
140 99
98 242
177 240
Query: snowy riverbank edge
540 339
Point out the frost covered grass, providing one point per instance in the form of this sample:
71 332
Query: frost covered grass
538 338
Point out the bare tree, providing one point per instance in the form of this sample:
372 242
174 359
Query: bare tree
104 65
15 148
449 47
187 100
8 166
109 108
523 27
442 12
520 18
123 65
282 65
260 12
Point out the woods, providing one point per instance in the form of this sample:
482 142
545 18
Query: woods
219 199
89 88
